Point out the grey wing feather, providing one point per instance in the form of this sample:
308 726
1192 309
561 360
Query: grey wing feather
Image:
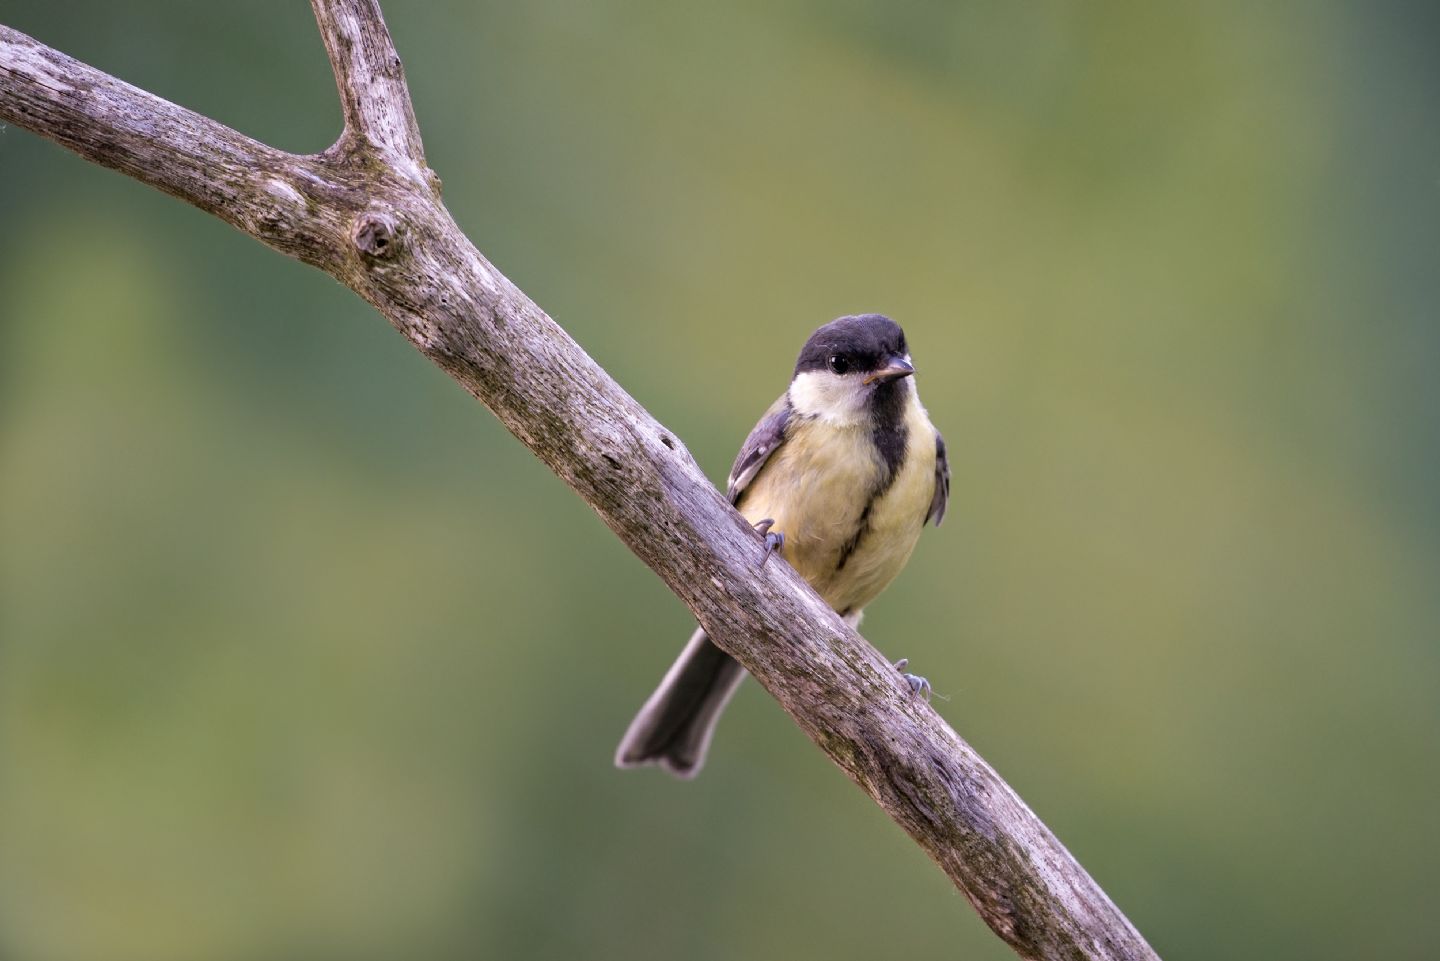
768 435
941 497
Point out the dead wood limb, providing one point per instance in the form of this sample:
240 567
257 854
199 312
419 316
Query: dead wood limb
368 211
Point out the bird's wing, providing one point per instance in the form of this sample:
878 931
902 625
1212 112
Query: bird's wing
941 497
762 442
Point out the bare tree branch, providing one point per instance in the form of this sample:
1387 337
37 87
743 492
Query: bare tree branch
371 79
112 123
368 211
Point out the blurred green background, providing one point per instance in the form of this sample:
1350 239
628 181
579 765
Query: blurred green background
303 658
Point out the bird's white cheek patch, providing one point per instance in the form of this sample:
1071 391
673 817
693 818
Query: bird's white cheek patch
828 396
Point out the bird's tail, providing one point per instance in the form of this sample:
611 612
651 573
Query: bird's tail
674 727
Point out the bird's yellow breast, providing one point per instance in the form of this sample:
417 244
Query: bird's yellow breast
819 489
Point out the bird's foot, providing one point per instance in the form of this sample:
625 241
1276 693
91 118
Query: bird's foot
774 540
918 685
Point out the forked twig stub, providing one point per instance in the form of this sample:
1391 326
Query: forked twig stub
370 77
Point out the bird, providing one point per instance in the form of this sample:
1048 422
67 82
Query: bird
840 475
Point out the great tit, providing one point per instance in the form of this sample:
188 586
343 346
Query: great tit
841 474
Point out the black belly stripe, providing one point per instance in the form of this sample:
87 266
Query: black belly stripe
888 431
891 436
860 530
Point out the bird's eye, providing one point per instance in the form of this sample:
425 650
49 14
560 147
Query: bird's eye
839 363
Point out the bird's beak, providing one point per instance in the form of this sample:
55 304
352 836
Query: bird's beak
895 368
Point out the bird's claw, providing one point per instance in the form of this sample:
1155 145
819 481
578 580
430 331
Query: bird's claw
918 685
774 540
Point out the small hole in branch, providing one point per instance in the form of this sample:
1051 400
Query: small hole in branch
374 234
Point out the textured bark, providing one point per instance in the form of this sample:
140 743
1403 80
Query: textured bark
368 211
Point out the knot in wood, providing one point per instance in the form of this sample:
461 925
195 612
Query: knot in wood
375 234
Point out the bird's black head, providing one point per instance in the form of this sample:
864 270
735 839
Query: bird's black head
865 344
